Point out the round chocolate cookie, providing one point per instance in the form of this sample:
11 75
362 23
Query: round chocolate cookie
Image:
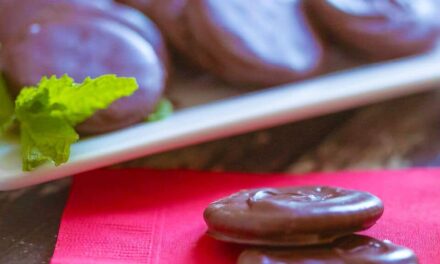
353 249
253 41
291 216
14 16
380 29
82 45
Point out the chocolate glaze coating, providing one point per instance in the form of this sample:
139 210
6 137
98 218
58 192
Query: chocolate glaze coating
380 29
291 216
143 25
17 14
82 45
354 249
254 41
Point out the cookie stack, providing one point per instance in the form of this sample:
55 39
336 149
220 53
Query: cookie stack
84 39
312 224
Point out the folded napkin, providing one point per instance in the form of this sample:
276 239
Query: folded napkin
149 216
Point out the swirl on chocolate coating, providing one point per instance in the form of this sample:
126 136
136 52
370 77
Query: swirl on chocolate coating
291 216
380 29
354 249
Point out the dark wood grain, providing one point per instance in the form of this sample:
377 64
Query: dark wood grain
393 134
29 221
396 134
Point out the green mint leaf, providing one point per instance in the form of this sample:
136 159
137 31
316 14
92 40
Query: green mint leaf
6 107
77 102
45 138
49 112
163 110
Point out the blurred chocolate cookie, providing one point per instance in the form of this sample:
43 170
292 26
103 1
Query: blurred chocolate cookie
291 216
14 15
379 29
254 41
84 43
241 41
353 249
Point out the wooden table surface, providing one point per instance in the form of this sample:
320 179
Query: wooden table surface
393 134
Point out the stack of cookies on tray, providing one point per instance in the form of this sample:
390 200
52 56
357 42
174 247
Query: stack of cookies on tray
257 43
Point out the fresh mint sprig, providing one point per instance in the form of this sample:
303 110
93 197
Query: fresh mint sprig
48 113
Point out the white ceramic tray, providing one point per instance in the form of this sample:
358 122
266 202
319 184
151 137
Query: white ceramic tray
209 111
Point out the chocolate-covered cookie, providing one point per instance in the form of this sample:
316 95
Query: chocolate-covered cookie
81 45
15 15
380 29
353 249
292 215
254 41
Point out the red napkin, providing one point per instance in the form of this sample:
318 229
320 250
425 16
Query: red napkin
148 216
